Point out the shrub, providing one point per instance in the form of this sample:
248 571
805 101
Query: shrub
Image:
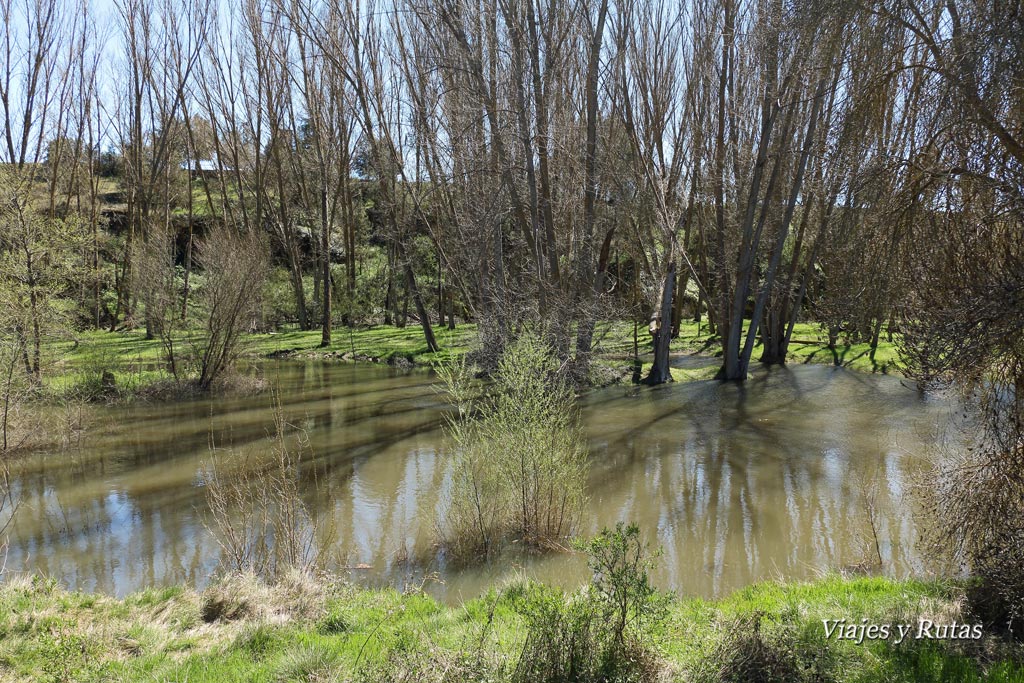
97 378
595 634
234 268
278 296
521 464
998 598
979 499
619 561
962 330
563 636
754 653
257 511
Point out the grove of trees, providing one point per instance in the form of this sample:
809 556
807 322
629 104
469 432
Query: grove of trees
749 163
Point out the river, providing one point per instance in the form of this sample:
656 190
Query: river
774 478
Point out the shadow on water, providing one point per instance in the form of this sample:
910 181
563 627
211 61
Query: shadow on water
736 482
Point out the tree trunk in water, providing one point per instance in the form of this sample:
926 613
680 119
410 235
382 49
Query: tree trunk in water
724 313
661 330
776 258
773 338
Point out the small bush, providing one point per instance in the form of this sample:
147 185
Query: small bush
998 598
754 652
257 512
980 499
521 467
596 634
235 266
563 640
620 562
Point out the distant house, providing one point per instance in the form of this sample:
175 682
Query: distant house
203 168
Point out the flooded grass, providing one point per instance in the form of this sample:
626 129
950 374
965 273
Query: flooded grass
137 362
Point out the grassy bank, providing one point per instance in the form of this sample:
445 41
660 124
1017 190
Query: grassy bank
137 362
241 630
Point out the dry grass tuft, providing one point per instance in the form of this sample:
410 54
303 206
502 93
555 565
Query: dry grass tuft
243 596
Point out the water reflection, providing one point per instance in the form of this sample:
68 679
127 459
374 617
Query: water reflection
736 483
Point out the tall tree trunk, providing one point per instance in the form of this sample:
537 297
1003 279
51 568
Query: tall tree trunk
325 247
721 260
684 273
298 288
783 231
585 335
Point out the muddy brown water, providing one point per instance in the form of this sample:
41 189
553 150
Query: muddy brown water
735 483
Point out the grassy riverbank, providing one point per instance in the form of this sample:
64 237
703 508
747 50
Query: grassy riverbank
300 629
137 362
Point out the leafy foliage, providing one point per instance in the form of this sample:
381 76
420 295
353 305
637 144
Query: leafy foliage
620 562
597 633
521 461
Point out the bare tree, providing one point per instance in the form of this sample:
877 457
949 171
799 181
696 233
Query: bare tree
235 266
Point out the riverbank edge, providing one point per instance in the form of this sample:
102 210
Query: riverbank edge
136 363
305 628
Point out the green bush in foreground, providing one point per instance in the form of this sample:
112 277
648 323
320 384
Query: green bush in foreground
597 633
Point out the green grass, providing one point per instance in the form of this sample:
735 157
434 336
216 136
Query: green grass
613 339
853 356
137 362
800 608
327 631
380 342
809 345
